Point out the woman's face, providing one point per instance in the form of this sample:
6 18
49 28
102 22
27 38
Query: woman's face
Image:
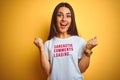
63 19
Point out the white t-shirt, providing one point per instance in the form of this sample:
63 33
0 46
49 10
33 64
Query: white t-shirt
63 55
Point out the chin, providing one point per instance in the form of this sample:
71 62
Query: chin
63 32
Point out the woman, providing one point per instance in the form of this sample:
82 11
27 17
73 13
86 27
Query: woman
65 55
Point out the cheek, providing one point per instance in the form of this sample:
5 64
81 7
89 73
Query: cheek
70 22
58 21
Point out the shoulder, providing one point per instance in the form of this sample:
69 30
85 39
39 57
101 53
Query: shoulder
78 38
48 42
80 42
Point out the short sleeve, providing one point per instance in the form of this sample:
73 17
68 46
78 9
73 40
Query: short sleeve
82 46
46 49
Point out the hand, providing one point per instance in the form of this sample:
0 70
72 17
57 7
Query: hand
39 43
91 43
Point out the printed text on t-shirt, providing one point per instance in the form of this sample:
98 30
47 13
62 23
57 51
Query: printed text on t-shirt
62 50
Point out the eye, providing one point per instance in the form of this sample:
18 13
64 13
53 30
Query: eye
59 15
68 16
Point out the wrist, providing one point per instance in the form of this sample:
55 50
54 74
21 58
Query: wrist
41 49
88 52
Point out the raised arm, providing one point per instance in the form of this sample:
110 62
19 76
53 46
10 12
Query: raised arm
84 62
43 59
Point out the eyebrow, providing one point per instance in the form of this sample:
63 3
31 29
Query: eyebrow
66 13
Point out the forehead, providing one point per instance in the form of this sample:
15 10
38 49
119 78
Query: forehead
64 10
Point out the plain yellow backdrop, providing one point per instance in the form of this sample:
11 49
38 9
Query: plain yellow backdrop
23 20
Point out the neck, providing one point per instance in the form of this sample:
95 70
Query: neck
63 35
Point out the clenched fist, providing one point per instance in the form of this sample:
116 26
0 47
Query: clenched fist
39 43
91 43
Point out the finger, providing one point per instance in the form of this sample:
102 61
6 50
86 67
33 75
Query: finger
39 39
96 42
95 37
35 42
91 41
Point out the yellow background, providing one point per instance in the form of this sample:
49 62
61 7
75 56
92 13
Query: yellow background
22 20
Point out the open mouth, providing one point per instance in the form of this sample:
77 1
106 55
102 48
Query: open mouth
63 24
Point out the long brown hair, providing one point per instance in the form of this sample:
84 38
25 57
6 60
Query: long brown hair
53 27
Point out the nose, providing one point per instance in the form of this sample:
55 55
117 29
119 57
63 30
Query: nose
63 18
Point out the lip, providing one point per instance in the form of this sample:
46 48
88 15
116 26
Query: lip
63 26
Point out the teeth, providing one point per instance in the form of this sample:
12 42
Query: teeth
63 24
